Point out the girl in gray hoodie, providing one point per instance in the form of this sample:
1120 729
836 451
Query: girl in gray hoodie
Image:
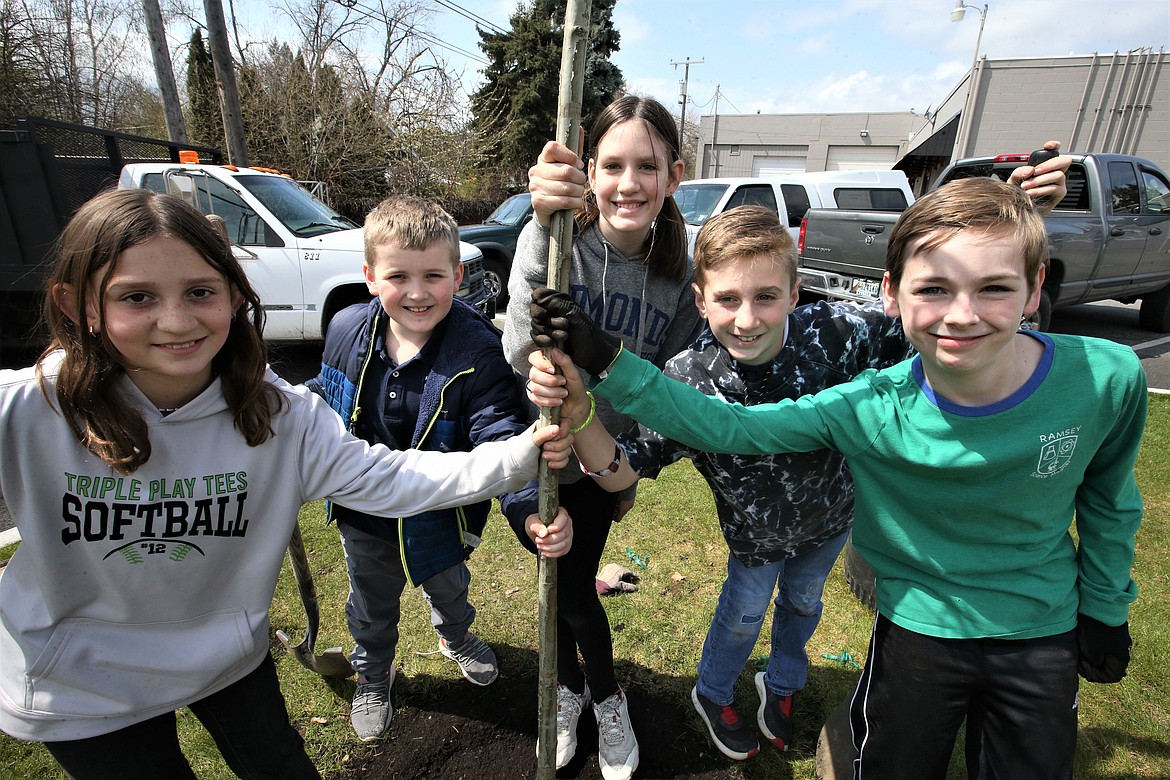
154 466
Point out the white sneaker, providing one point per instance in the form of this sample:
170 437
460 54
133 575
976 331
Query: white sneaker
617 747
569 706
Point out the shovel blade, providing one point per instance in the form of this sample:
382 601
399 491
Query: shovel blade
330 663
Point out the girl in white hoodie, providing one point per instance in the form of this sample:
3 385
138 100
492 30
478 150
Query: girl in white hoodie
154 466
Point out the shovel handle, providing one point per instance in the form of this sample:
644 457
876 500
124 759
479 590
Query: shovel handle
304 578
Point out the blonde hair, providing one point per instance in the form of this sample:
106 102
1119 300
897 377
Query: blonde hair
981 204
86 391
411 223
744 232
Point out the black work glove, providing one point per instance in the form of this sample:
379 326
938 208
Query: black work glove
559 322
1103 650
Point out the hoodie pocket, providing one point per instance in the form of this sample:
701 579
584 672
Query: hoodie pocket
95 668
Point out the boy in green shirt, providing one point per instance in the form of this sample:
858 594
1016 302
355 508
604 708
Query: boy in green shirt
970 461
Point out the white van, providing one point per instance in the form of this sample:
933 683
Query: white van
791 195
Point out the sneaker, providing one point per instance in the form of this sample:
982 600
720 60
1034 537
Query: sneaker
476 660
729 733
617 747
569 707
371 710
774 715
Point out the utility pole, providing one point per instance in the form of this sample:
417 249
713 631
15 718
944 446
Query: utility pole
682 96
163 73
714 136
221 57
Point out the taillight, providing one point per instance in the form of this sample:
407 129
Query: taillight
800 238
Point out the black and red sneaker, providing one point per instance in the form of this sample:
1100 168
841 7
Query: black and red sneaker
730 734
774 715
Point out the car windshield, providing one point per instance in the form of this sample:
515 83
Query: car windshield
512 211
289 202
697 201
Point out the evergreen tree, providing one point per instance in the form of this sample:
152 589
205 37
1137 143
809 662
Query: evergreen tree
515 112
204 120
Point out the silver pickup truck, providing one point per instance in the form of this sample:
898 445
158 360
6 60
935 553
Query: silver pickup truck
1109 238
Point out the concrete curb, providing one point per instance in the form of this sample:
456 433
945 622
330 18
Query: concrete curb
11 536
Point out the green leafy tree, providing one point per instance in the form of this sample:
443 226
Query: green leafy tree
515 112
204 119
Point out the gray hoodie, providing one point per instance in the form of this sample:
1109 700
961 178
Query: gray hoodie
133 595
655 318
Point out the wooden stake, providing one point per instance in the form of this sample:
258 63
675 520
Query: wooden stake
572 88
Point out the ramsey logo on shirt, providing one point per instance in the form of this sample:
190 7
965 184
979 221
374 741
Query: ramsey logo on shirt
1056 452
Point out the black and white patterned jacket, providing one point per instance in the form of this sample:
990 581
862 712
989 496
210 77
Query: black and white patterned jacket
772 508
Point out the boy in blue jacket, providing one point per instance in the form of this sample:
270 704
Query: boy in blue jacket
417 368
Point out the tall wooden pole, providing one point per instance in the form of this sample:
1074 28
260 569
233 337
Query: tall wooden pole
572 88
164 74
225 77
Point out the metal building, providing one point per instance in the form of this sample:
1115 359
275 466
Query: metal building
1117 102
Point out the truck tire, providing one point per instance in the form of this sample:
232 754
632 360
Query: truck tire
859 576
1154 314
1042 318
495 276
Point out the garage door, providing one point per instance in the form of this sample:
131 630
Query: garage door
861 158
763 167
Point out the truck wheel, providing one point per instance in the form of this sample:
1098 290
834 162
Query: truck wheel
859 576
1042 318
495 276
1154 314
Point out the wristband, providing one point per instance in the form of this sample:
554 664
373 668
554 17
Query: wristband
611 468
589 419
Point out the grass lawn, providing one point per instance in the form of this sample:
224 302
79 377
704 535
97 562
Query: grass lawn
658 633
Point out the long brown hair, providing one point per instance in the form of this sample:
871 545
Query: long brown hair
666 245
86 389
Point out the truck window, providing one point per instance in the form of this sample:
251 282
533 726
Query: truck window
753 195
211 196
1124 188
1077 183
795 201
1157 192
870 199
697 201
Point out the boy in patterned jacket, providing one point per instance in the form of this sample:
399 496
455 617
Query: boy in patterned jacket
785 517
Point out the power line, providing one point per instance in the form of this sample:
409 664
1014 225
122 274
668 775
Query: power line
471 15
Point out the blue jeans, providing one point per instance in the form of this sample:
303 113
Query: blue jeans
743 603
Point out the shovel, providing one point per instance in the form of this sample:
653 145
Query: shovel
332 662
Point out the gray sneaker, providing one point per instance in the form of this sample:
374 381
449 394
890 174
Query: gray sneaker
617 747
476 660
371 710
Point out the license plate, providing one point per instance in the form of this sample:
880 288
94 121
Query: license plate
865 288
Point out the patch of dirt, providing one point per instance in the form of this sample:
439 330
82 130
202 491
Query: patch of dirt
451 730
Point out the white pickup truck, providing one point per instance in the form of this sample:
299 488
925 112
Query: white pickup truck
304 258
792 195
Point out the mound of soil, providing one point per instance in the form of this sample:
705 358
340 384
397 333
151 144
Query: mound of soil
447 730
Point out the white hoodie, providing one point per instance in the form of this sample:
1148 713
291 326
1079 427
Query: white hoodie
133 595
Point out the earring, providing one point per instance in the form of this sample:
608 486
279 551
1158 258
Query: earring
93 331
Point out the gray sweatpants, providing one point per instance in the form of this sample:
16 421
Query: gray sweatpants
376 582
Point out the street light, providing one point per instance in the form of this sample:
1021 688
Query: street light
957 14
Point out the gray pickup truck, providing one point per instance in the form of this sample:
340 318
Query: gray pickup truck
1109 238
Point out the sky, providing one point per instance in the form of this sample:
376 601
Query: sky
824 56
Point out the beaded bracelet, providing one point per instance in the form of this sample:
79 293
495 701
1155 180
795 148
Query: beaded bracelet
589 419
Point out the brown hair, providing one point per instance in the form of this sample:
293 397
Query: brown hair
740 233
412 223
86 391
666 246
980 203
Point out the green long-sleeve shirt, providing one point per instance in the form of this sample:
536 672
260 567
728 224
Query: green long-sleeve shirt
963 512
